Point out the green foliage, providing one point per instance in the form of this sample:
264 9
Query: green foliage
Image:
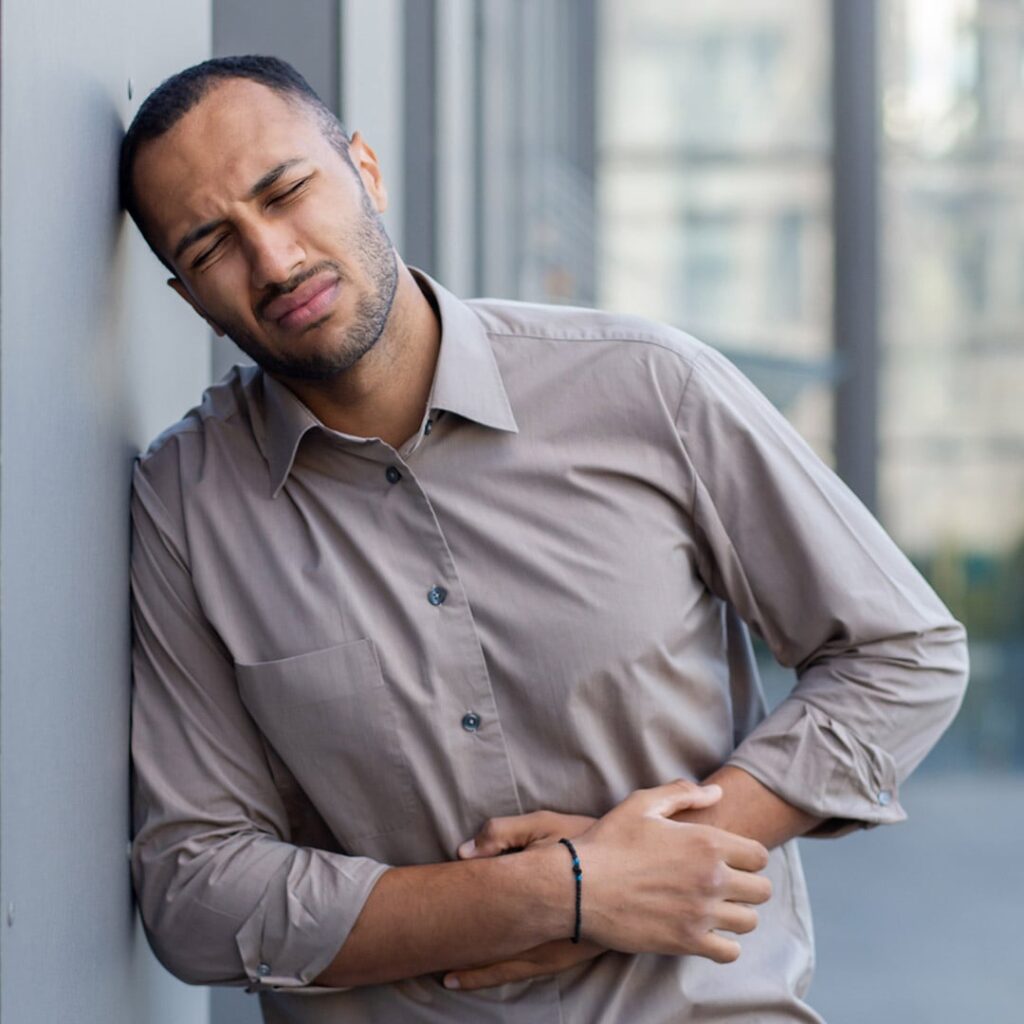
984 591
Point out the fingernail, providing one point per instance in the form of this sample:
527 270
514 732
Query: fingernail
451 981
468 848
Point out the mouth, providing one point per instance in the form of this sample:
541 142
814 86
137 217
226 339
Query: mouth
305 304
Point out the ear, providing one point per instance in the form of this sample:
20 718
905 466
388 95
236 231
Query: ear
365 161
178 286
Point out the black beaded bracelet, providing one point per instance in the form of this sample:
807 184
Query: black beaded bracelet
578 875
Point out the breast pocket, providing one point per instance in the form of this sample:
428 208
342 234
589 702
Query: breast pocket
330 717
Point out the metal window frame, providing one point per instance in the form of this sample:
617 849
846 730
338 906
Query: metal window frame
856 241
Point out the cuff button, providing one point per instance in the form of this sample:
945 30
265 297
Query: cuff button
263 970
885 798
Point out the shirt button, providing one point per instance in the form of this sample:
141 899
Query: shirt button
263 970
436 595
393 475
884 797
471 721
428 426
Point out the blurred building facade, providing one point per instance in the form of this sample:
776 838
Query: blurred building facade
714 184
952 427
716 200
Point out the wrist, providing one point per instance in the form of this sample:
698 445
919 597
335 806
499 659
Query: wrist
577 875
549 889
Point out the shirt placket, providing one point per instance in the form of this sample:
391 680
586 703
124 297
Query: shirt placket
472 721
464 708
468 709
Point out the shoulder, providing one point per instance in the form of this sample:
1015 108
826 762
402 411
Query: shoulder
578 325
219 424
643 358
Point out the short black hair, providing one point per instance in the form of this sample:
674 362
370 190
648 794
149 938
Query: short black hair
170 101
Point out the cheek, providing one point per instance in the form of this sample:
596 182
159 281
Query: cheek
225 291
326 236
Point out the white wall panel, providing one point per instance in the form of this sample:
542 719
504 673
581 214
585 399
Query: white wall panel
372 40
96 356
456 36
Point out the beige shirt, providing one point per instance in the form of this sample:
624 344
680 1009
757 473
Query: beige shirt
348 656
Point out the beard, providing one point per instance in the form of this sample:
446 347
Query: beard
379 262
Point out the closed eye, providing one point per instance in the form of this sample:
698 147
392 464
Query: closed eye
207 253
288 192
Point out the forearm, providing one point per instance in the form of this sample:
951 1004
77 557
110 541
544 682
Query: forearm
750 809
447 916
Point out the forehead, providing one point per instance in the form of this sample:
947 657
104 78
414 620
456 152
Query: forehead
217 151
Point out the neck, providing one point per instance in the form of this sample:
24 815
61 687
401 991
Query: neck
385 394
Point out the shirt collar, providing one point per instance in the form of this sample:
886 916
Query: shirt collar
467 381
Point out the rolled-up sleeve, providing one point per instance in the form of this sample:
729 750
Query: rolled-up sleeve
881 663
225 897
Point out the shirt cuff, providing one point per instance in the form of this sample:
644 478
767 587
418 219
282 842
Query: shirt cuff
302 922
817 764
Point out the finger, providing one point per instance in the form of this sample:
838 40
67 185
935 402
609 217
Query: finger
744 887
706 794
679 795
718 948
735 917
494 974
742 853
500 834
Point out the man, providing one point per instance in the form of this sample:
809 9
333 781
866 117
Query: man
441 580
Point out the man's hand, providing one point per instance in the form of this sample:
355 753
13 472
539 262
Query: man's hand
549 958
503 835
651 884
749 809
716 866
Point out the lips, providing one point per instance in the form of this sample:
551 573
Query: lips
305 302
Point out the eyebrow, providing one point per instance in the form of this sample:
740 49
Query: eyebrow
267 181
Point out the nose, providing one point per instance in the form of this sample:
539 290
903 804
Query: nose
274 253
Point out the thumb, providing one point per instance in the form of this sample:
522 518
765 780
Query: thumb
501 834
682 795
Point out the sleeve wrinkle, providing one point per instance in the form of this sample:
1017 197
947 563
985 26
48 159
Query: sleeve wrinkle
815 762
692 497
880 662
224 897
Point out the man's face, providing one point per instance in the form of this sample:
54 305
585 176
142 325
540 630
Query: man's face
276 238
